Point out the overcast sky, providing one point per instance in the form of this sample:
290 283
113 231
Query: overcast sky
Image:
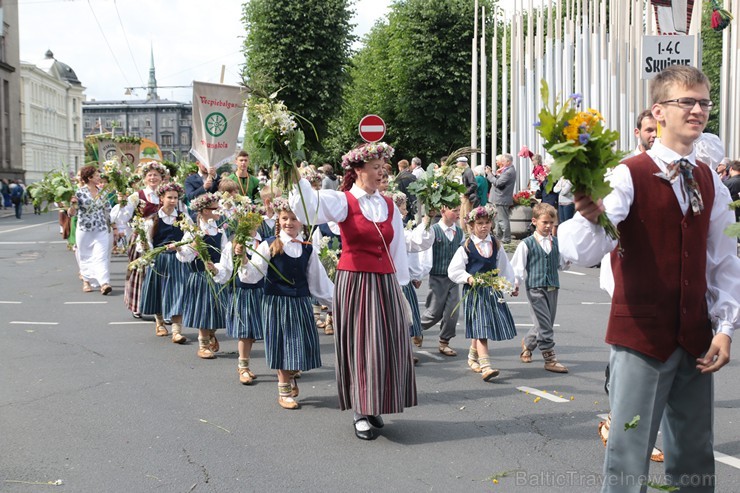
107 42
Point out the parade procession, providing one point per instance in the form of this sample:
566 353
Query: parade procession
370 256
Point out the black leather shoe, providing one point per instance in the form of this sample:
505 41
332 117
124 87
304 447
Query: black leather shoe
363 434
375 421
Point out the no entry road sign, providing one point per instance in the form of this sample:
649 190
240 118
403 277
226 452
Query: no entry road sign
372 128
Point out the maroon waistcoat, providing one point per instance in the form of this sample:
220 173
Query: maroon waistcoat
660 282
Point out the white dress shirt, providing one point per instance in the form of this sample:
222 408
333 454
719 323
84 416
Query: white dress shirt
319 284
585 243
519 260
457 270
331 205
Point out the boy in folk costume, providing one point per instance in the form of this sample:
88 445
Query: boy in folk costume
675 274
536 262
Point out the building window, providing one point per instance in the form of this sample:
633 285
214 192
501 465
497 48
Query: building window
147 123
87 124
74 132
184 139
167 140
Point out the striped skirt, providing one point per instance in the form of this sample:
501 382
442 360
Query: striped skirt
205 302
487 316
244 313
164 284
409 292
291 338
134 280
375 370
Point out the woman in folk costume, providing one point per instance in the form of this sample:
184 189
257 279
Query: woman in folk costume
204 301
293 275
164 284
94 236
144 203
375 371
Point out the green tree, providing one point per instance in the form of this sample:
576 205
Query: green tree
302 49
414 71
711 64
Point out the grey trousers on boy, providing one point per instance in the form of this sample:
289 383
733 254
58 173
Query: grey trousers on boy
677 393
544 305
443 297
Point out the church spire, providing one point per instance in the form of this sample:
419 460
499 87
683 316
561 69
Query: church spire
151 92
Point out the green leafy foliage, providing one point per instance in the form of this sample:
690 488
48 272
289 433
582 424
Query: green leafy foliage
55 187
302 49
632 424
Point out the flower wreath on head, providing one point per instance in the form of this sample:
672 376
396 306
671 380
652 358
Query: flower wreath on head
281 204
154 166
366 152
203 201
480 212
398 198
170 187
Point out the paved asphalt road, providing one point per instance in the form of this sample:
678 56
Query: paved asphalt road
89 396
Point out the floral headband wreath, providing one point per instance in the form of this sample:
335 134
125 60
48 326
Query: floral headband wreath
155 166
313 177
281 204
203 201
170 187
481 212
367 152
398 198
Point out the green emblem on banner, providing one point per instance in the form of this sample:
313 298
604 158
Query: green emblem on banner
216 124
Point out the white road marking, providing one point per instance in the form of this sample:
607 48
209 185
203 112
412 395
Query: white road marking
544 395
517 302
129 323
595 303
31 226
21 322
727 459
532 325
573 273
433 356
602 416
85 302
10 302
31 242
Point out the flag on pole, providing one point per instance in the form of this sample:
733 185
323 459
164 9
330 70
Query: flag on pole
217 118
673 16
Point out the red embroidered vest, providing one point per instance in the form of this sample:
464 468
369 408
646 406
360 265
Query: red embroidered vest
150 207
660 278
363 247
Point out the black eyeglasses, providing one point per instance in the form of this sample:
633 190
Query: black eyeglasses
689 103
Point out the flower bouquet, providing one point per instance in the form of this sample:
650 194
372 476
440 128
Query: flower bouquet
441 187
54 188
582 147
329 255
525 198
118 178
487 280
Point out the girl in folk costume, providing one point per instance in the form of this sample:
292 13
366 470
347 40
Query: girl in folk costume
293 275
93 236
486 314
144 203
164 284
204 302
244 305
418 238
375 371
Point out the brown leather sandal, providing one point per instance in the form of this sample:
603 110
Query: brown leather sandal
526 355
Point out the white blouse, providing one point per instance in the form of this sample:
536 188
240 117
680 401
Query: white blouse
457 273
186 253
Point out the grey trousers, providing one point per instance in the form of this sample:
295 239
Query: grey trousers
501 224
544 305
443 297
677 393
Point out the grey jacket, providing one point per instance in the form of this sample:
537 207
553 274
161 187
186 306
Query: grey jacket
502 186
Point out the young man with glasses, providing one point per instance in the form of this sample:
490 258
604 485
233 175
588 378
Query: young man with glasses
675 271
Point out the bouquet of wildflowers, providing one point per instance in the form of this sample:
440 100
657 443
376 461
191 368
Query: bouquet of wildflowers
329 255
117 176
525 198
441 187
487 280
278 138
582 147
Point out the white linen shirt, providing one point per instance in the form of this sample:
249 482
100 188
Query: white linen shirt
457 270
519 260
585 243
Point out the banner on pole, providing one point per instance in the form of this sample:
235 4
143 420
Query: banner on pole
126 152
217 118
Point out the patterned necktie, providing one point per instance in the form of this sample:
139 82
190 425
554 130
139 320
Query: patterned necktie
684 167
